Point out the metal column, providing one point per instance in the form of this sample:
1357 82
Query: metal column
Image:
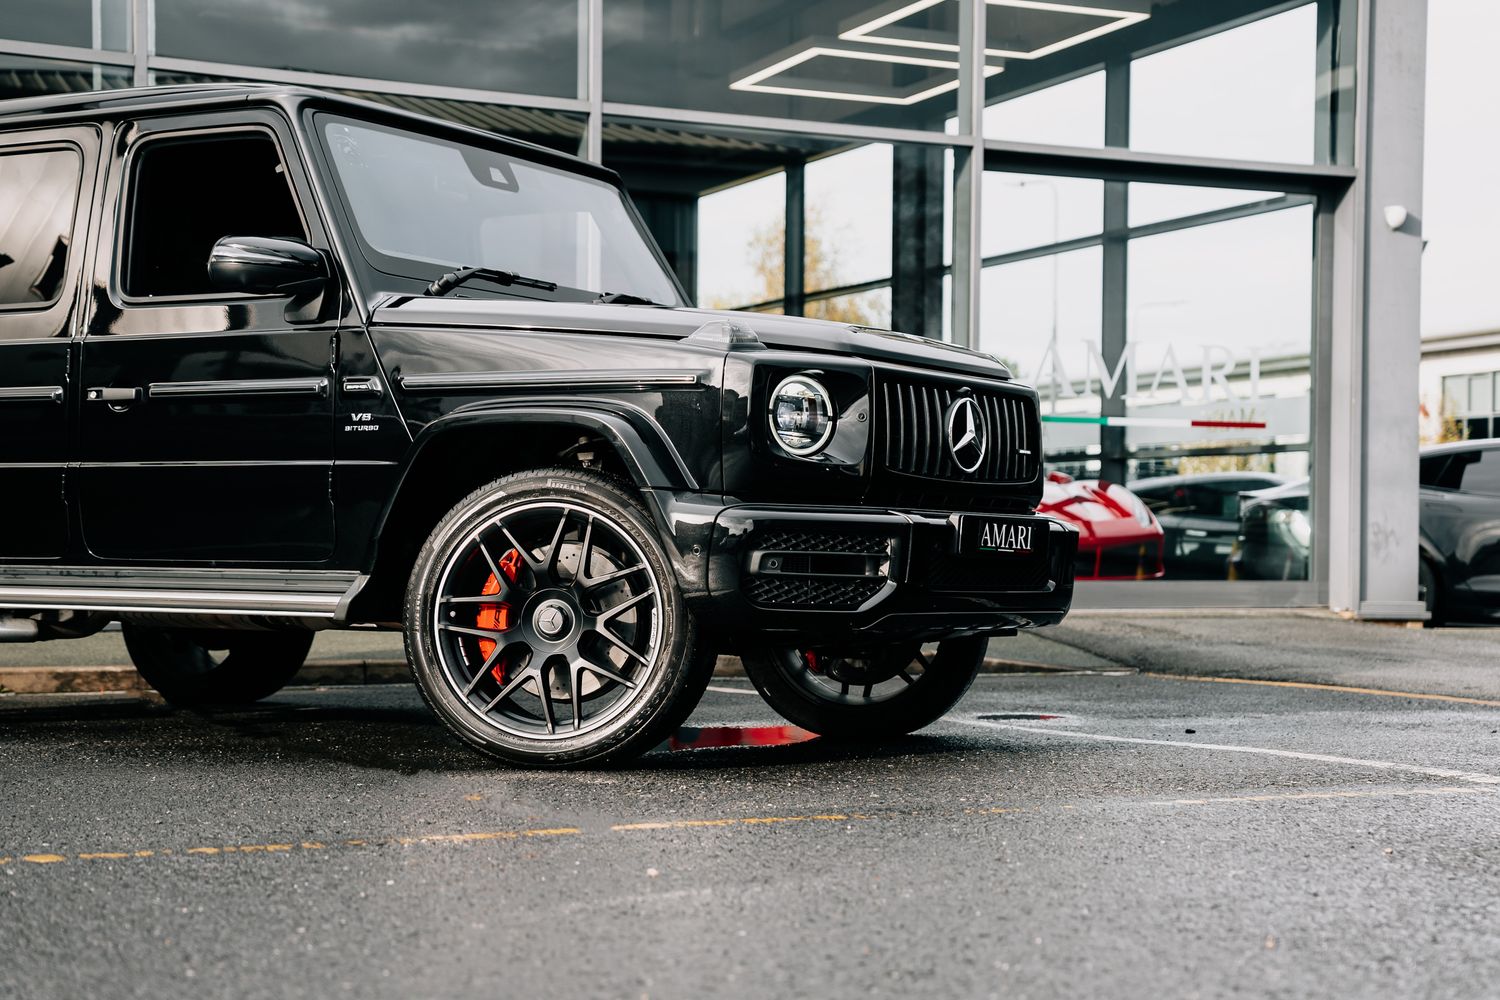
1372 379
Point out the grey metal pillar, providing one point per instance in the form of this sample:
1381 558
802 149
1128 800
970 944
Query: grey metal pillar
968 174
1372 379
1112 336
794 292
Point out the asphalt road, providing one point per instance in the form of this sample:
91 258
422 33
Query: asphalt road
1160 837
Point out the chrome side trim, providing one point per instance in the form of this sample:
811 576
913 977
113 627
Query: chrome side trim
579 380
31 394
360 385
171 601
241 387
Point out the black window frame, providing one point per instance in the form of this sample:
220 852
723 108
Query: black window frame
126 210
47 146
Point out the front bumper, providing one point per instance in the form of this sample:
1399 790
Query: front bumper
831 573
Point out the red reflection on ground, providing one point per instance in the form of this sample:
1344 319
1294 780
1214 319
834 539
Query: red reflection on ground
688 738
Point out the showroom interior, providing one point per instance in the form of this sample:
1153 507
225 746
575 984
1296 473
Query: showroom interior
1184 221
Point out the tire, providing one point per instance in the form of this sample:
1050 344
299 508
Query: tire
201 666
564 667
864 695
1432 592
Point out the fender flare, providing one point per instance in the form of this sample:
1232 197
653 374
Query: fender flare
648 455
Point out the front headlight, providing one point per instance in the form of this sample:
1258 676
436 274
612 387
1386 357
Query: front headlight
801 415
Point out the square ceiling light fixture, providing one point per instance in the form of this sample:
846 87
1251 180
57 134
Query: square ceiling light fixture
1015 29
843 74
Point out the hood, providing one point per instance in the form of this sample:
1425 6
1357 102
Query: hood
782 332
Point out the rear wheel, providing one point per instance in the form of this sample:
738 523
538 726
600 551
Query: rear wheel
1427 580
205 666
868 693
544 625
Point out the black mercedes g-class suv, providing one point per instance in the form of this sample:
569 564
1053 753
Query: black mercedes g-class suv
273 360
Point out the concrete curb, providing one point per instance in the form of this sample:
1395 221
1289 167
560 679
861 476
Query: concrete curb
331 673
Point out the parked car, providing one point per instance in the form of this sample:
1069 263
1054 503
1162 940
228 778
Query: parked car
274 360
1200 515
1275 534
1459 524
1118 536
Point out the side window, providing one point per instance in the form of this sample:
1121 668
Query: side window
187 194
1482 474
38 196
1433 472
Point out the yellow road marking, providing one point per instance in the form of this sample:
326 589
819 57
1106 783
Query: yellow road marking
684 824
1310 686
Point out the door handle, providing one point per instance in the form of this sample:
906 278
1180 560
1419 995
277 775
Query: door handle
109 395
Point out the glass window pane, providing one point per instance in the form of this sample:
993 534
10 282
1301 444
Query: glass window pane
88 24
1028 210
783 60
1043 318
1482 394
847 221
1070 113
1456 395
1483 474
1159 202
521 46
1246 93
21 76
38 194
742 244
1219 331
871 308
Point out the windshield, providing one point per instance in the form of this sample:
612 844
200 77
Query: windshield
423 205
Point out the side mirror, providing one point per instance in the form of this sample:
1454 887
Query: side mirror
265 265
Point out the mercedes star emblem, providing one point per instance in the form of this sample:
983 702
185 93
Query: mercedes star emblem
966 434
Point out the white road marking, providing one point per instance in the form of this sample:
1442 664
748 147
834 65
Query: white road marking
729 690
1322 758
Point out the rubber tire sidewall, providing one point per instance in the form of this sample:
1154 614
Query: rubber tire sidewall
1428 578
935 693
677 680
258 665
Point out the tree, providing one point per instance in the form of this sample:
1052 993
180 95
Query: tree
821 269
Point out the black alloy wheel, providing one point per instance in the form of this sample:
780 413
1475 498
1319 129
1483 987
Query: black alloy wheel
544 624
865 693
206 666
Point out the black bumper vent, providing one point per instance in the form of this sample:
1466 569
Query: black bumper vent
914 435
815 569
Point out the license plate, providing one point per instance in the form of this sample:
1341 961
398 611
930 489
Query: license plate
1018 538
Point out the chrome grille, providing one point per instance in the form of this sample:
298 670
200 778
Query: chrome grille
914 437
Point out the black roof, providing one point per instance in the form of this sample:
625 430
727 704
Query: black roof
179 97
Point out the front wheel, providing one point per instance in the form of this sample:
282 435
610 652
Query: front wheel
544 624
204 666
869 693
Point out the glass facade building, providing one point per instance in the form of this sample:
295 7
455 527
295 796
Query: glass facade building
1162 213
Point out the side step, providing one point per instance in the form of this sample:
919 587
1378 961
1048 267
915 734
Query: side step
322 594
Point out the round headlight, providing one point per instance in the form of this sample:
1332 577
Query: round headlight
802 415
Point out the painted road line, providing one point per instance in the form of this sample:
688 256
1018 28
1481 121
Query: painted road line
1368 793
729 690
1320 758
1312 686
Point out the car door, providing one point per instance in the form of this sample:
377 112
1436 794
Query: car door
43 177
206 418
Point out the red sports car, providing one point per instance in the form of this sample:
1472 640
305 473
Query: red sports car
1119 537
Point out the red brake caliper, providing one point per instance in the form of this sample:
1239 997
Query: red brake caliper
496 617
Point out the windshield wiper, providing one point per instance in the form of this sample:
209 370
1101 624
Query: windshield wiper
624 299
453 279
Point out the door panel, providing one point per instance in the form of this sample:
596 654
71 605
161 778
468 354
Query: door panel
42 175
206 417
